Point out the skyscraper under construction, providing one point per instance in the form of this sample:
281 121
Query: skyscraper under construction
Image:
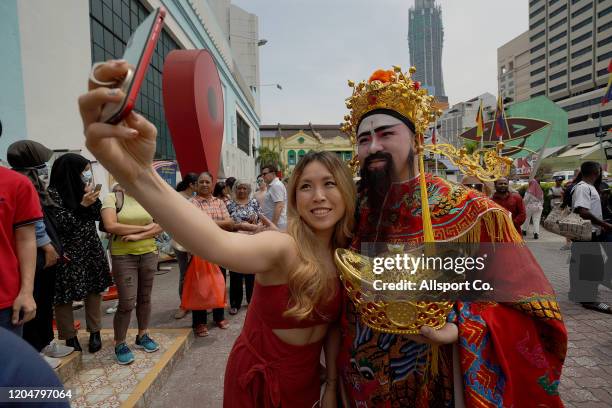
425 39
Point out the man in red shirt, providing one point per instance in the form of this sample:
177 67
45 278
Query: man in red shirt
512 202
19 211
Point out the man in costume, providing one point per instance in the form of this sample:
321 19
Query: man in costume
507 354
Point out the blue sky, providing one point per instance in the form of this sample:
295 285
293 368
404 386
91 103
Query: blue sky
315 46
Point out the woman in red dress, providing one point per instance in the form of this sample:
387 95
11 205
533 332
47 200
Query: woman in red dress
275 360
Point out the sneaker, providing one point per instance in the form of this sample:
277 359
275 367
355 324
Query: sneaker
111 309
53 362
146 343
524 233
55 350
123 354
536 236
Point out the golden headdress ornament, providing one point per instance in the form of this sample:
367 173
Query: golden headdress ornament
396 91
393 90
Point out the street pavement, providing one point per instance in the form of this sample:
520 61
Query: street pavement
197 379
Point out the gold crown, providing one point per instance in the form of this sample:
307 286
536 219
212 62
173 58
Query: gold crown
383 312
392 90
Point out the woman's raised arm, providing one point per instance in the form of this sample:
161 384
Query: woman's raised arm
127 149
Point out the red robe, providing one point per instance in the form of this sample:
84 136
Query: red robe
511 353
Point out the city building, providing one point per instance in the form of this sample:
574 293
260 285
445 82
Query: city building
425 41
46 52
513 69
570 48
462 116
544 109
292 142
241 30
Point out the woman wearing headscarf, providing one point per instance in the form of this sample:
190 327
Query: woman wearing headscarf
534 205
30 159
86 274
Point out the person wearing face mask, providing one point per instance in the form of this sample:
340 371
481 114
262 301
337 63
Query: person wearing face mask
87 273
30 159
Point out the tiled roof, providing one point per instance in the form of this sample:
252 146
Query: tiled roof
316 131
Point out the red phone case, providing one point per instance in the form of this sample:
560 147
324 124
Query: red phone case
141 69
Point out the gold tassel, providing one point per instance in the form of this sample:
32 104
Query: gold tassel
497 225
432 365
435 360
428 236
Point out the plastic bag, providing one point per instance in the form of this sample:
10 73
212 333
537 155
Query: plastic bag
204 286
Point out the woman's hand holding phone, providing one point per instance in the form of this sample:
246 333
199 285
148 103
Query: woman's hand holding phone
125 149
89 198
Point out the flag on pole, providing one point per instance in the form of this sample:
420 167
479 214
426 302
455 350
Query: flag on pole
500 124
608 94
479 122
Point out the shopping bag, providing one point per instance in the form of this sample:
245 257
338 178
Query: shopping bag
575 227
203 287
551 222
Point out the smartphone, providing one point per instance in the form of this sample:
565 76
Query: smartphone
138 52
97 188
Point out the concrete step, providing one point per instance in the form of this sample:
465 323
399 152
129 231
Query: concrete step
69 366
101 381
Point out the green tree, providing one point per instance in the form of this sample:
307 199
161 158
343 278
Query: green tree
471 146
266 155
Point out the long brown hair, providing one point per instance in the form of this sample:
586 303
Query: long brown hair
309 283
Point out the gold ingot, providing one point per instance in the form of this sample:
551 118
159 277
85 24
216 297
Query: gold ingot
381 312
351 83
402 313
412 70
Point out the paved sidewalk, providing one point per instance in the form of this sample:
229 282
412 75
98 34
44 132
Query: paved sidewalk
587 374
197 380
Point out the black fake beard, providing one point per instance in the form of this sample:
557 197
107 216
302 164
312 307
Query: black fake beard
376 183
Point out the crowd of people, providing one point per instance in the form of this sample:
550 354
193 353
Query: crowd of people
58 257
587 195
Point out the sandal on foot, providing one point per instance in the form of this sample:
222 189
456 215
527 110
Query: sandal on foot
223 324
201 330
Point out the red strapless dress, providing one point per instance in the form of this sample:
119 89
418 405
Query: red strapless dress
264 371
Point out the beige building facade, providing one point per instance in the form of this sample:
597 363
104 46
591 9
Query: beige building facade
570 47
294 141
513 68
